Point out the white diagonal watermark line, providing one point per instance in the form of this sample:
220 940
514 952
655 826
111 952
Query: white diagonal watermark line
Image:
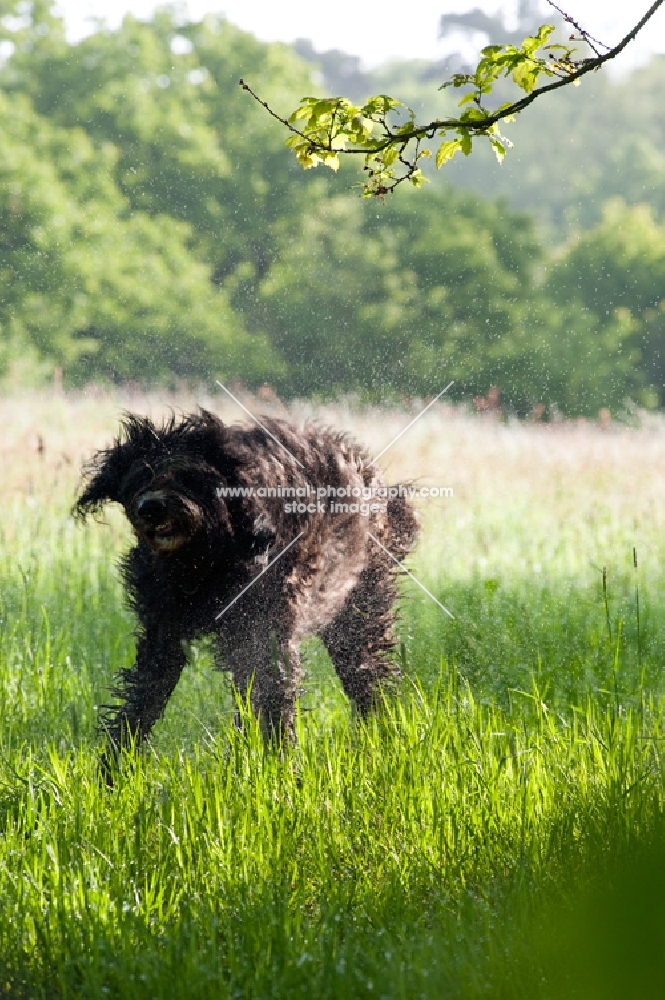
376 459
259 575
408 573
257 421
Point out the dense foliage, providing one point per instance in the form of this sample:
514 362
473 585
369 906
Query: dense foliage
153 226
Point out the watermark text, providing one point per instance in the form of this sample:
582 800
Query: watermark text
308 499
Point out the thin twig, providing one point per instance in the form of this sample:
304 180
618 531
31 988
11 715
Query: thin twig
282 121
589 39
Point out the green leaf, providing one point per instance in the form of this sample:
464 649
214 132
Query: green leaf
498 147
473 115
446 151
458 80
327 106
531 44
306 158
526 75
304 111
418 178
380 104
331 160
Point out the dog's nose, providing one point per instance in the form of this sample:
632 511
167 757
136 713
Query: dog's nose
151 508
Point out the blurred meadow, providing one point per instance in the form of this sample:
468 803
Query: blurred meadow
497 831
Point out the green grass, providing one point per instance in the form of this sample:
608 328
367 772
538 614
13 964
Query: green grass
498 831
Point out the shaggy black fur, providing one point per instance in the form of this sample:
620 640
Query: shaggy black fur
196 551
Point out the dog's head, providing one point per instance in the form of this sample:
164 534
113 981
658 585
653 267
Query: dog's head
166 479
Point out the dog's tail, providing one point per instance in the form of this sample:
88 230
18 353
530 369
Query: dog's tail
403 526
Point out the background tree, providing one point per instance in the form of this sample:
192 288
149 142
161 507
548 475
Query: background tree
616 272
153 227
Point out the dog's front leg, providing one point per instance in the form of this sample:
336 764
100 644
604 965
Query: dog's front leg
145 688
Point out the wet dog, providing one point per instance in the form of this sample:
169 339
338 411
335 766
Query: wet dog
224 546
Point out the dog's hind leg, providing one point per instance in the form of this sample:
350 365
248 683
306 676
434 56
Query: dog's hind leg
359 638
145 687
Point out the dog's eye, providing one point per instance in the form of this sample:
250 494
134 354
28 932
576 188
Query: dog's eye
192 481
139 477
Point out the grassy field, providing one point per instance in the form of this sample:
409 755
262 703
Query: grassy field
498 831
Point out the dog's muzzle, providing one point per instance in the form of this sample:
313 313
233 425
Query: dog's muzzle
166 521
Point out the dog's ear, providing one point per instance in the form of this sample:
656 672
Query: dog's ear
101 480
104 473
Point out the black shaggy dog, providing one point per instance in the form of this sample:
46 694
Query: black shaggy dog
198 551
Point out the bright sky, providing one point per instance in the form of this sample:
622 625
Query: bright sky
370 28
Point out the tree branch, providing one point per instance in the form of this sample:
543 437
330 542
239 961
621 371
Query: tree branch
333 123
